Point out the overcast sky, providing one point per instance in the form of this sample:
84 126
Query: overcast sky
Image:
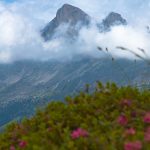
131 9
21 21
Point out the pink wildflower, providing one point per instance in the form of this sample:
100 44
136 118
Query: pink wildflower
122 120
133 114
137 145
126 103
148 129
79 133
147 135
12 148
22 144
146 118
130 131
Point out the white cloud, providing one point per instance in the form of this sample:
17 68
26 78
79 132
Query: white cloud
126 36
21 22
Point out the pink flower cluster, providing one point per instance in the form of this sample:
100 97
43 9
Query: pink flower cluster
130 131
122 120
147 135
22 144
126 103
133 114
146 118
12 148
79 133
136 145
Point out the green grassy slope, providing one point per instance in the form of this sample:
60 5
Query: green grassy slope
110 118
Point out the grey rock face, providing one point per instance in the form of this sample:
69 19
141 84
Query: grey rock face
70 15
26 85
113 19
75 19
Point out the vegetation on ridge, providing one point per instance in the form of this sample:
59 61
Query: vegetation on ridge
110 118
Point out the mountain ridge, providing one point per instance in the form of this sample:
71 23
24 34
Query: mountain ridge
67 14
75 19
113 19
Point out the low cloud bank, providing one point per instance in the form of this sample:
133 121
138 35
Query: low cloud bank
20 36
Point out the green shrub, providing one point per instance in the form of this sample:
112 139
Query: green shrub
110 118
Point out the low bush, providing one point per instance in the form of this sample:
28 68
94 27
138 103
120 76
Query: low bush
110 118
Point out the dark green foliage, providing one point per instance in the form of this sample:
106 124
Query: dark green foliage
97 113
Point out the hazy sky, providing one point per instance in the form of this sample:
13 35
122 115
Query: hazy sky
22 20
96 8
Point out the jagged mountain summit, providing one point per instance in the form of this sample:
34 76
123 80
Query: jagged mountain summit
113 19
70 19
74 18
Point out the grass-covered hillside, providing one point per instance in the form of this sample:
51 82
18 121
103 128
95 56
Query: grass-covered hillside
110 118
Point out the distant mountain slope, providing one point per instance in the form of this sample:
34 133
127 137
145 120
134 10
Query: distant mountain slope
70 15
26 85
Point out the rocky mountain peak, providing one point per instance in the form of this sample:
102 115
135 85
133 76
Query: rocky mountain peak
114 18
70 15
75 19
